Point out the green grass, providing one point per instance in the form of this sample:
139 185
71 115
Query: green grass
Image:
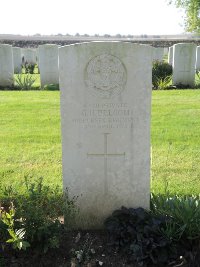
30 139
176 141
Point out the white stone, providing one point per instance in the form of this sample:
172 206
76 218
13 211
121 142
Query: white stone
184 64
158 53
166 50
48 64
197 65
6 65
17 59
29 55
170 55
105 114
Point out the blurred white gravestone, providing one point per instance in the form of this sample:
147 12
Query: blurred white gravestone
170 55
48 64
166 51
105 115
17 59
197 65
184 64
158 54
29 55
6 65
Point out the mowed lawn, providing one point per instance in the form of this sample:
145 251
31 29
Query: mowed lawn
30 139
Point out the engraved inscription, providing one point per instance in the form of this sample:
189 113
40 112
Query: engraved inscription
105 116
106 155
105 76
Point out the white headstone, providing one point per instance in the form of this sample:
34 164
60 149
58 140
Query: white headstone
184 64
17 59
166 50
158 54
6 65
197 66
29 55
170 55
105 114
48 64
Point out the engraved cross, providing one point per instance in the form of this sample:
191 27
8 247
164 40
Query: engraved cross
105 155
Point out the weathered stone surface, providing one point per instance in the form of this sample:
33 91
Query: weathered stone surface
158 53
48 64
184 64
6 65
17 59
197 65
29 55
105 114
170 55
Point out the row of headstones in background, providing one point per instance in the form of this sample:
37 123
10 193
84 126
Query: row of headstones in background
48 64
11 59
185 59
21 55
6 65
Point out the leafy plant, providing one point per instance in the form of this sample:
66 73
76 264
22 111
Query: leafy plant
16 236
160 71
24 81
138 234
164 83
51 87
28 67
38 211
183 210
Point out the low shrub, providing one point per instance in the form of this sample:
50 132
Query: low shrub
165 83
160 71
28 67
51 87
39 212
184 212
24 81
138 234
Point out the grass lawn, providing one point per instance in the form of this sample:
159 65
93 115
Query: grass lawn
30 139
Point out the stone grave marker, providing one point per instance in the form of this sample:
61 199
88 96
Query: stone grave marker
197 65
48 64
105 116
6 65
184 64
170 55
29 55
158 53
17 59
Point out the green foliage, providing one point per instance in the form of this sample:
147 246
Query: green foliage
184 212
164 83
24 81
51 87
138 234
16 236
39 213
28 67
192 9
197 79
161 72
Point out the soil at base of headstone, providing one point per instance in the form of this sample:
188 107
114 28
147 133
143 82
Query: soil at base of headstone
101 254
